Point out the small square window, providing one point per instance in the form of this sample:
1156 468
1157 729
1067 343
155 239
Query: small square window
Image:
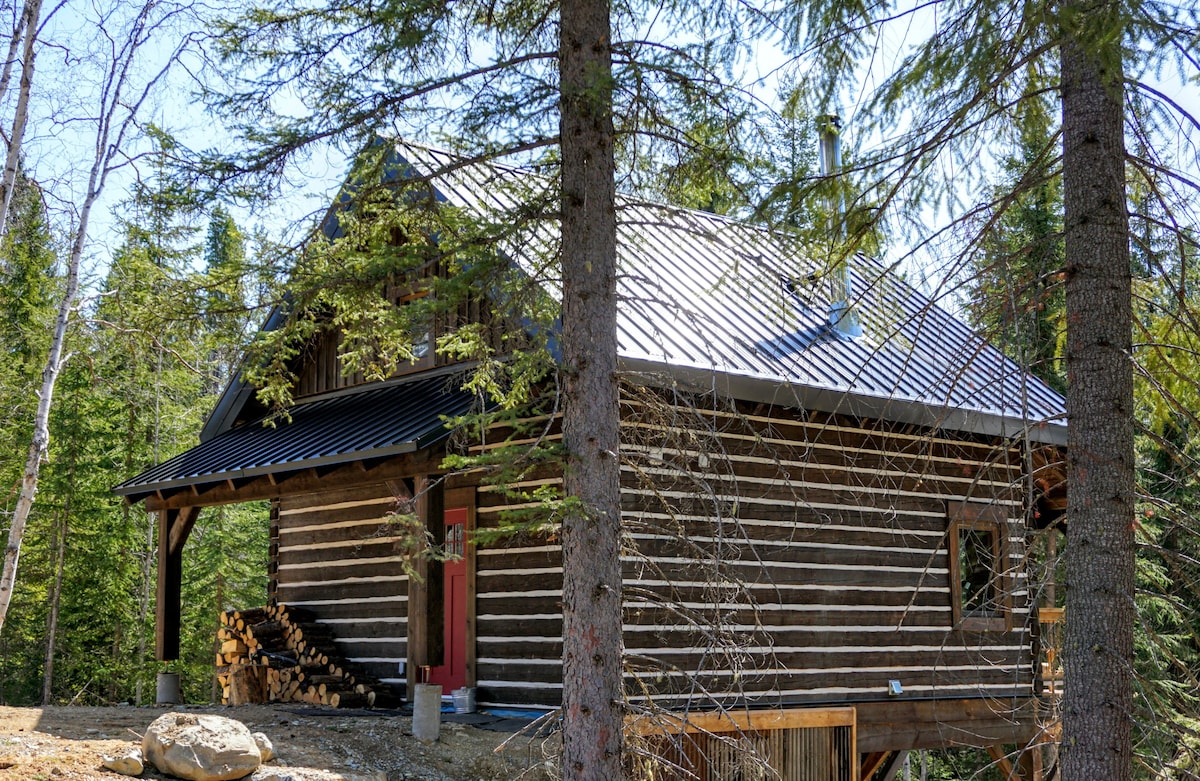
979 585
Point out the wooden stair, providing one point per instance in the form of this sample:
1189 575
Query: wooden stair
283 654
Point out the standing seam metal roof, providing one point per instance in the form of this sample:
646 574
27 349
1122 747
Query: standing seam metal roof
704 300
376 421
704 293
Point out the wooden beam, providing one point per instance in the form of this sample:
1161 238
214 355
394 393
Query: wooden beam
900 725
742 721
182 527
1003 763
1029 763
271 486
418 596
872 762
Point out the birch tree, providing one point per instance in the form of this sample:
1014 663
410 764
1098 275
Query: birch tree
124 89
24 38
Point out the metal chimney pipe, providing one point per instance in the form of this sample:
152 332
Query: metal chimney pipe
842 317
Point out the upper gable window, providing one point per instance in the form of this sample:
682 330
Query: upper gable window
422 344
979 580
405 289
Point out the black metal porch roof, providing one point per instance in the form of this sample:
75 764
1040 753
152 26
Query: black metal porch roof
364 423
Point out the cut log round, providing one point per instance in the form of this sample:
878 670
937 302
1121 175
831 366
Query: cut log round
247 684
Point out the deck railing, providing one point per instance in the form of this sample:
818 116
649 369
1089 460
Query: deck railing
1050 620
806 744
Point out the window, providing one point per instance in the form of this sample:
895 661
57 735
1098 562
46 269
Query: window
423 340
978 579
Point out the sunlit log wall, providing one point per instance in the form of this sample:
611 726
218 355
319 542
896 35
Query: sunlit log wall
789 558
341 558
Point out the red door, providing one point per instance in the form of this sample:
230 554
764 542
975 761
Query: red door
452 673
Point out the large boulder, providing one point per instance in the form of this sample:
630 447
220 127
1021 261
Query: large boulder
201 747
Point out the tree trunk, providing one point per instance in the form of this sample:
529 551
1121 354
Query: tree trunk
16 136
116 116
592 524
1098 654
14 43
59 546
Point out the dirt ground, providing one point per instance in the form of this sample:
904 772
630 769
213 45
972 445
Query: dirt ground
69 743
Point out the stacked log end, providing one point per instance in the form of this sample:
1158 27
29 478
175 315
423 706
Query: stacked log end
281 654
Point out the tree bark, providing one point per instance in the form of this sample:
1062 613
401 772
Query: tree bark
592 719
16 136
1098 657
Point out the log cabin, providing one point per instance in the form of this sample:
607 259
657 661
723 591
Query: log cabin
829 494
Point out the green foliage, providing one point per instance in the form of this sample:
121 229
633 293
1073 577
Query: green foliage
29 290
225 568
28 284
1016 273
158 344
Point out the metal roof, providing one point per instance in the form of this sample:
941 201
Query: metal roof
705 301
379 420
742 308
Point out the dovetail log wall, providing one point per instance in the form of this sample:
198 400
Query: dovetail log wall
340 558
798 559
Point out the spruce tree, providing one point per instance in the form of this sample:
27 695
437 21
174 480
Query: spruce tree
956 95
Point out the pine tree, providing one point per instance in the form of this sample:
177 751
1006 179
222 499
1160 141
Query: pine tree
592 586
1016 276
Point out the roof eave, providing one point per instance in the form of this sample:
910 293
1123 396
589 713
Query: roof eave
788 394
339 459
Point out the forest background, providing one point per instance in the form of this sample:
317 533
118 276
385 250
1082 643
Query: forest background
172 288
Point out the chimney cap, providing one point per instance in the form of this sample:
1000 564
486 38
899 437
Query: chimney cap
829 122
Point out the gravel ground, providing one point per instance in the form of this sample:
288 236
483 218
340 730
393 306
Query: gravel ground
69 743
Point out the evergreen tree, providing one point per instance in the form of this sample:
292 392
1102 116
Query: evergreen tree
1016 276
29 286
953 94
592 585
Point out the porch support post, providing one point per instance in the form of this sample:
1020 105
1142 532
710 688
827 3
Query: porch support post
173 529
418 595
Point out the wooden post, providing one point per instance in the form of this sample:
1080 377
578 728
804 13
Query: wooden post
418 597
173 529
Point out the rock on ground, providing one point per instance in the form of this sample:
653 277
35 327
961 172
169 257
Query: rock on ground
201 747
308 774
266 749
128 764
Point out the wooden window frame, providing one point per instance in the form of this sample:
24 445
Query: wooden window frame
966 516
427 360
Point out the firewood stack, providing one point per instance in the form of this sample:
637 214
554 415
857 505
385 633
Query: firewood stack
281 654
